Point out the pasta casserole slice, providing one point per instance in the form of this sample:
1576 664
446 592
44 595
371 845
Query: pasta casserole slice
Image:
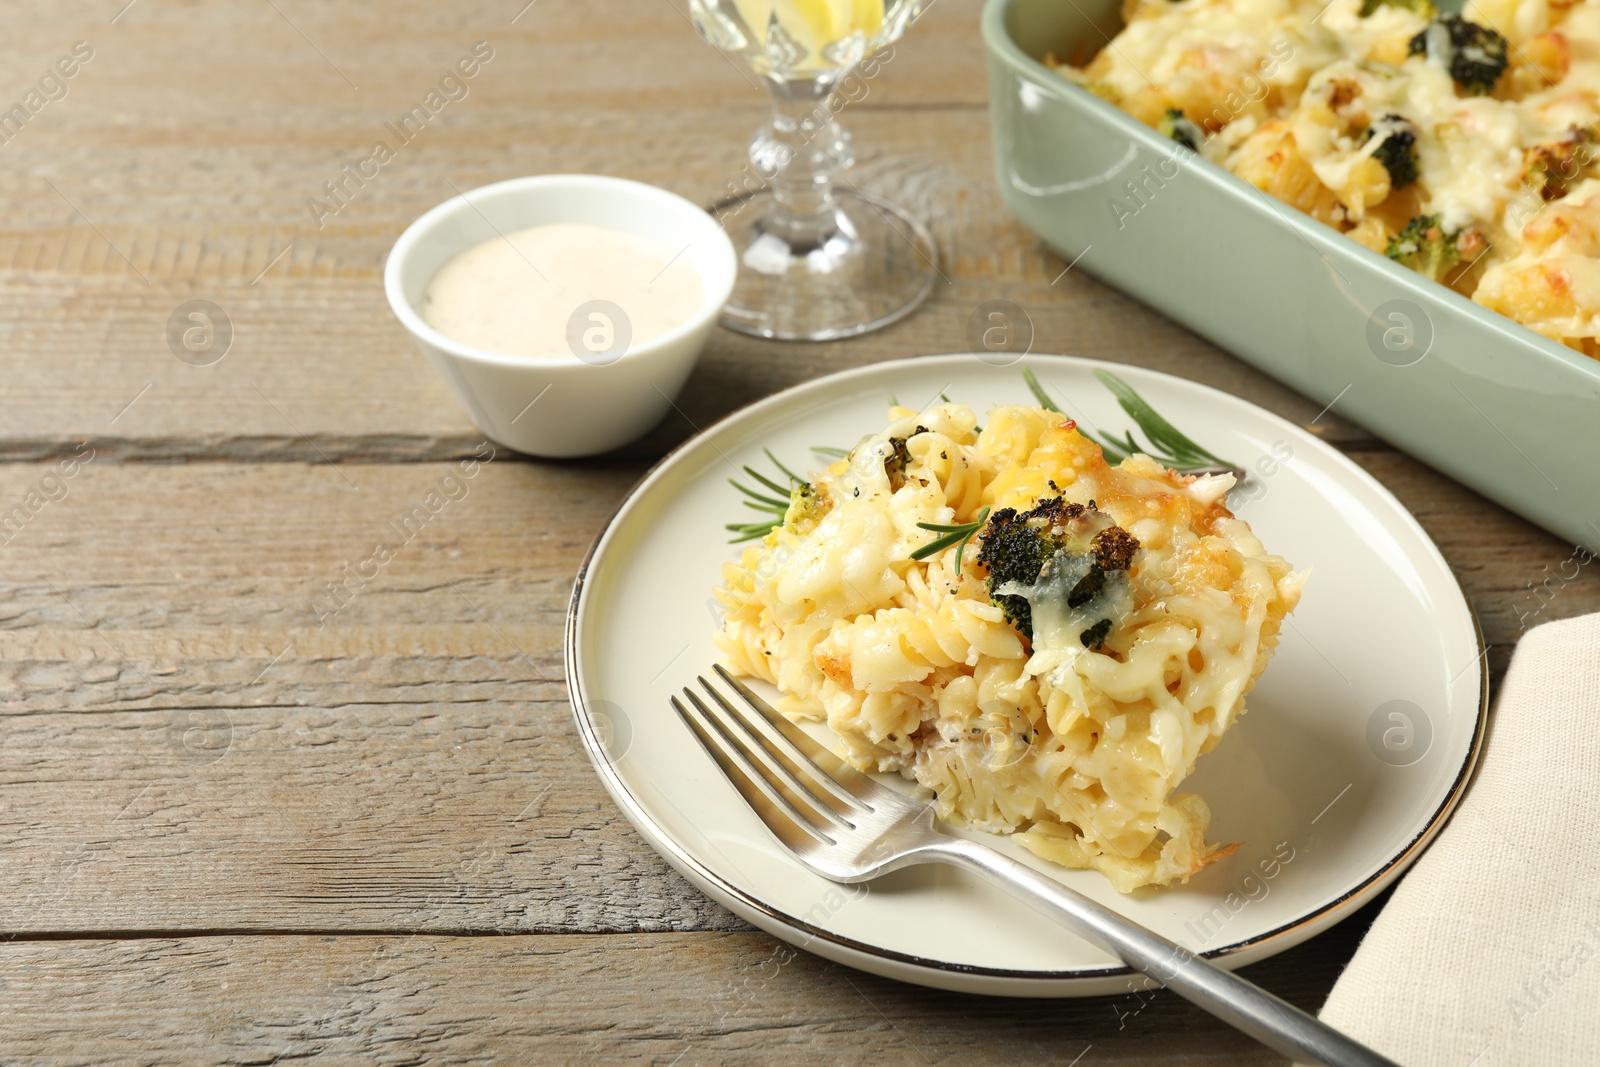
1057 675
1462 144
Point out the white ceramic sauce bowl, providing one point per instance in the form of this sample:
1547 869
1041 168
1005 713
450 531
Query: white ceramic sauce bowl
563 405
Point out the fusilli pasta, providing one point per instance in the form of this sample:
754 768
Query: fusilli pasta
1450 143
1070 721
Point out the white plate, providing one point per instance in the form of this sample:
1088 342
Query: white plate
1358 742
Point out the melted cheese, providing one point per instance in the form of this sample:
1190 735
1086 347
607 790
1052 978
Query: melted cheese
1298 95
1079 750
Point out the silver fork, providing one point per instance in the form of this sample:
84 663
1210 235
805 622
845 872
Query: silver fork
846 827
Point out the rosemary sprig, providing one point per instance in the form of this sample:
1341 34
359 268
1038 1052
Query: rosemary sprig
1168 446
957 535
776 462
1173 448
773 501
1038 391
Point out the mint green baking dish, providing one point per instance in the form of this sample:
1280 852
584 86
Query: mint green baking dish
1479 397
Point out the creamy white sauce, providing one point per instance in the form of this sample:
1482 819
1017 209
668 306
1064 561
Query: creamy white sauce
517 295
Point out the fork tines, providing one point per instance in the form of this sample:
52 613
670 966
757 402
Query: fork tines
798 788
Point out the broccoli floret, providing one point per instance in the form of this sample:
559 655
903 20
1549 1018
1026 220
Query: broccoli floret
898 461
807 506
1426 247
1015 546
1071 539
1421 7
1096 635
1180 129
1475 55
1398 150
1553 168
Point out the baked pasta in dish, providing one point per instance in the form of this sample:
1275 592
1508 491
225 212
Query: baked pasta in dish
1463 146
1057 674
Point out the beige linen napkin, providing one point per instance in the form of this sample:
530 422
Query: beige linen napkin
1488 954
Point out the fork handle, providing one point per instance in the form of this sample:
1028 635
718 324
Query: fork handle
1243 1005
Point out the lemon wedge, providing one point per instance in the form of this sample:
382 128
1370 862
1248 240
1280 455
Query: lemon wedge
814 24
867 16
757 14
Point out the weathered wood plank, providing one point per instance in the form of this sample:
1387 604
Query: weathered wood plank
411 763
203 573
181 164
115 536
658 999
480 815
184 750
271 59
282 400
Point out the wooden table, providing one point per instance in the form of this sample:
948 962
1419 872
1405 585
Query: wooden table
229 834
